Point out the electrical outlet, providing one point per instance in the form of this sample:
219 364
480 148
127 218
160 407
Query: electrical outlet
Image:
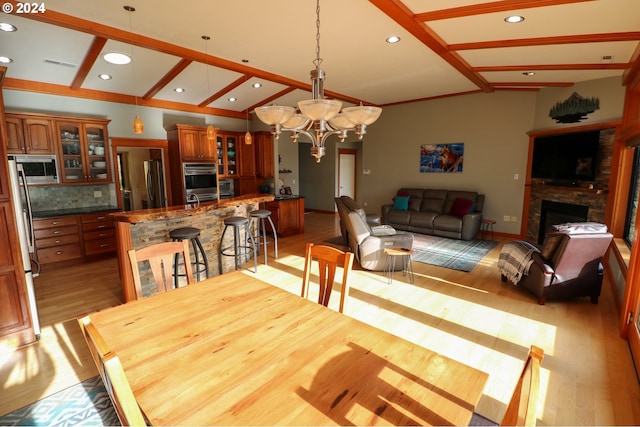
514 219
506 218
97 194
366 171
365 204
516 176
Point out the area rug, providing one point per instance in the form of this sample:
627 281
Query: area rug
84 404
462 255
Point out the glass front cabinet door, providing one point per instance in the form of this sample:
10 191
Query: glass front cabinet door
84 149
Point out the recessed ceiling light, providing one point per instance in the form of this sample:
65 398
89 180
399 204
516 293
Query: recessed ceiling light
232 99
5 26
117 58
529 73
246 61
256 85
5 60
179 89
105 76
514 19
393 39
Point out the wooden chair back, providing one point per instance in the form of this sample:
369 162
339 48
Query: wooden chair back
161 258
524 401
112 376
328 258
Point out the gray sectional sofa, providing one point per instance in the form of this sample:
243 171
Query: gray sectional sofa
447 213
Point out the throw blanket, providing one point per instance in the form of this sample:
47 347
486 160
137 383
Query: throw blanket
515 260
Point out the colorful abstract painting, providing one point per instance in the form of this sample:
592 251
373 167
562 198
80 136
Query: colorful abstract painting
441 157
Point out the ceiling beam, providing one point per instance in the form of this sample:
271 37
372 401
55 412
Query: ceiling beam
533 84
167 78
96 95
397 11
89 59
546 41
224 90
491 7
553 67
272 98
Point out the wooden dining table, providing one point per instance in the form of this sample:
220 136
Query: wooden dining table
234 350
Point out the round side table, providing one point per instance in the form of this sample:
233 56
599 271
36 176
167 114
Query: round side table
405 258
486 225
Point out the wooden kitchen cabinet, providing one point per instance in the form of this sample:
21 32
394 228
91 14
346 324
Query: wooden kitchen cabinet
228 155
247 166
98 234
57 239
29 134
287 215
191 143
84 151
264 154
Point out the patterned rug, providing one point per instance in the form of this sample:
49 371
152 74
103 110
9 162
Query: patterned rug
84 404
462 255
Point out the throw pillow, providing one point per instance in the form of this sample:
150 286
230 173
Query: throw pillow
461 207
401 203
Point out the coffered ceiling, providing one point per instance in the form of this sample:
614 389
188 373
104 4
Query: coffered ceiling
447 47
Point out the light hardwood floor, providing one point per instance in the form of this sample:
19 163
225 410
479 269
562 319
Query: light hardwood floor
587 374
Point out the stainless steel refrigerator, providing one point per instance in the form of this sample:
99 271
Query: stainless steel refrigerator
24 222
154 177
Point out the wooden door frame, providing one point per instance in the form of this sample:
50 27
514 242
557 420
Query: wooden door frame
355 173
150 144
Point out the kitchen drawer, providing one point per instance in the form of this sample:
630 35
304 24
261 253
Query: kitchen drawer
96 226
99 234
60 221
100 246
97 217
59 253
57 241
45 233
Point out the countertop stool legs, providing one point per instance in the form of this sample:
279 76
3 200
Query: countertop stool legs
261 215
193 234
239 248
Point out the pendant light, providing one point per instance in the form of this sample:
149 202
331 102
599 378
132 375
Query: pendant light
212 135
138 125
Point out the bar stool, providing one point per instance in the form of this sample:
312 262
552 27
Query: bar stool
238 250
193 234
260 215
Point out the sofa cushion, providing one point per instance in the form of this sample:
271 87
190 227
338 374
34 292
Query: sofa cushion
415 197
433 200
461 207
456 194
401 203
446 222
399 217
423 219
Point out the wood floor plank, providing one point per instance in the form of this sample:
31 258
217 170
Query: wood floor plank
587 374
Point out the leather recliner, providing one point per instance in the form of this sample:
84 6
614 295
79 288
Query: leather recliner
568 263
346 204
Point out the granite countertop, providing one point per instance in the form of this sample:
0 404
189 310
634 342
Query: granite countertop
187 210
288 196
73 211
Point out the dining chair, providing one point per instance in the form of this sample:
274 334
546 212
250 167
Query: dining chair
524 400
328 259
113 377
161 258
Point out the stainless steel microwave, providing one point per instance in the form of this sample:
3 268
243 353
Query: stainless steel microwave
200 179
39 168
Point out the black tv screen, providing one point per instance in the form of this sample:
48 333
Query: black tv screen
568 157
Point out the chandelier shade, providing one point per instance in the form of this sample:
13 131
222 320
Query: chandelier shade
319 118
274 114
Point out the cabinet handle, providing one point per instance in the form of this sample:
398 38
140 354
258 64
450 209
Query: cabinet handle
58 241
102 226
102 235
55 223
56 232
104 245
59 252
101 217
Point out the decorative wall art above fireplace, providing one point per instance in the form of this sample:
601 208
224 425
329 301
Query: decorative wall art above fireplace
574 109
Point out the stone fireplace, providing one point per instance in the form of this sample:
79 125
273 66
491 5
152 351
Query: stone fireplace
552 213
571 204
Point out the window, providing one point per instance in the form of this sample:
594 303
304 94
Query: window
634 192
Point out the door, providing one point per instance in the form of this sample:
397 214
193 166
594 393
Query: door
631 303
347 173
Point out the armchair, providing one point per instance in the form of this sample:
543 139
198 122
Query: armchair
346 204
568 264
369 246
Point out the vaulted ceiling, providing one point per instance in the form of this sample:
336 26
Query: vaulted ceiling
446 48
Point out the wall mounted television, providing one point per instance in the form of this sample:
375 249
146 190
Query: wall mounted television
566 158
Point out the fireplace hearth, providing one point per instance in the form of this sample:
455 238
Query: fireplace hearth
553 213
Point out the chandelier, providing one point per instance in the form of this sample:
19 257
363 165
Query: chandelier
318 118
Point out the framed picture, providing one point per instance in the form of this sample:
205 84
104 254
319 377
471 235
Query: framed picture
445 158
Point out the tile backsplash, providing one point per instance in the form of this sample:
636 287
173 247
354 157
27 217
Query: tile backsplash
46 198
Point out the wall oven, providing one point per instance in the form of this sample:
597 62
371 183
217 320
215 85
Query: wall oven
226 188
39 169
200 179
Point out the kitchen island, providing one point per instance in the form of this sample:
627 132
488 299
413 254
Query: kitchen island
137 229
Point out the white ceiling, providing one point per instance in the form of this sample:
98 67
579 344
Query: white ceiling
451 47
